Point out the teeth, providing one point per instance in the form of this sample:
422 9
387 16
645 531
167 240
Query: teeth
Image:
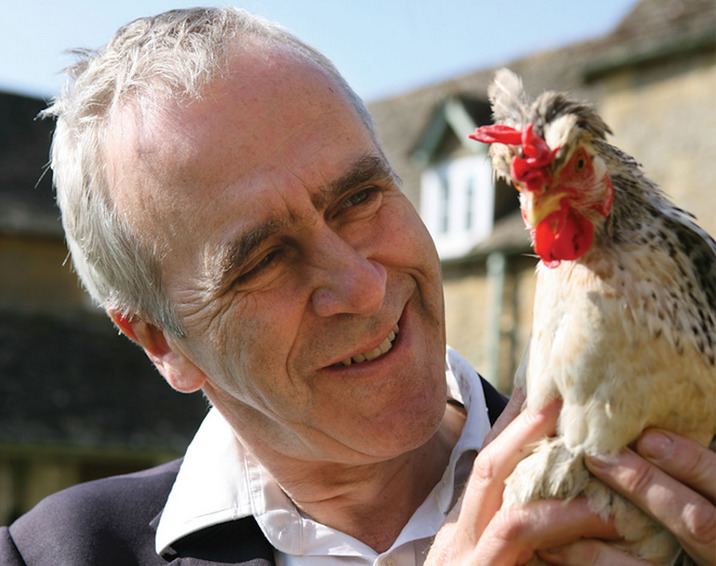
384 347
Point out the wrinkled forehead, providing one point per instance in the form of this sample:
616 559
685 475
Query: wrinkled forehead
256 87
170 160
263 100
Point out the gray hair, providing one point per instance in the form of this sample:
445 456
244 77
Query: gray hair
169 56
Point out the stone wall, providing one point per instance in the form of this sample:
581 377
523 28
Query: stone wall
34 278
471 308
466 313
665 116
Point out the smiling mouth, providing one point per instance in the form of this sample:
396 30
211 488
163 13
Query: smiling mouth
376 352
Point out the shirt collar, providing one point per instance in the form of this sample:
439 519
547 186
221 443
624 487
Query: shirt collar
220 481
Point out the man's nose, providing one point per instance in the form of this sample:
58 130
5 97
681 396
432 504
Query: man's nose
348 282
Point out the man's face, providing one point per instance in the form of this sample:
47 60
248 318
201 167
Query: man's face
290 249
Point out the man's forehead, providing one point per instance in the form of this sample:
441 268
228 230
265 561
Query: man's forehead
139 169
257 96
169 159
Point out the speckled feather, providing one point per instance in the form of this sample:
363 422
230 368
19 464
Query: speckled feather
626 334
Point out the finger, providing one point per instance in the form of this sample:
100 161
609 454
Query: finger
483 493
589 553
499 458
516 534
508 414
681 458
687 514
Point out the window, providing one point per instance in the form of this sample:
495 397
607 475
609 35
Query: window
444 204
457 201
470 195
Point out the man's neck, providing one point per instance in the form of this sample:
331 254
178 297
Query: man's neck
373 502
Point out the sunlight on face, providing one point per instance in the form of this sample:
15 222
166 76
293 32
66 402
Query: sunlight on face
290 250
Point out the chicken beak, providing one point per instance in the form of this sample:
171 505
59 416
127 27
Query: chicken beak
538 205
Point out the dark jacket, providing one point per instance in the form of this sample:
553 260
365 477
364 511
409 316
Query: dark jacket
112 522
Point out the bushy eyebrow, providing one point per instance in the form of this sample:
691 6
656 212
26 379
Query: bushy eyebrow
368 168
239 251
234 254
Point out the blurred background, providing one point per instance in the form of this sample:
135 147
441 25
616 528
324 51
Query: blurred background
78 402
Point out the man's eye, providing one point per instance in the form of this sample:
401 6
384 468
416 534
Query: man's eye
262 264
360 197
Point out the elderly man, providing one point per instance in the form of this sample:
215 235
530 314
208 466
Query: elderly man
225 200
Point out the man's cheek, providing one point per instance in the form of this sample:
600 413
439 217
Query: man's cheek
256 346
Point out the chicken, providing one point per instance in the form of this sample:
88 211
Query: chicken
624 326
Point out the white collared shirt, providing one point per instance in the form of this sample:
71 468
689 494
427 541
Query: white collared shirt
219 481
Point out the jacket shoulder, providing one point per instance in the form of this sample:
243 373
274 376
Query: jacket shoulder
105 521
9 555
494 400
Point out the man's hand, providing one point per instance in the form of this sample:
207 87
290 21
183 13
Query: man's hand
670 477
479 532
674 480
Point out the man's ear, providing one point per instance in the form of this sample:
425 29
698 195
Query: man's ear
178 370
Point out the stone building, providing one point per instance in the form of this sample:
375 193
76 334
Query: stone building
653 80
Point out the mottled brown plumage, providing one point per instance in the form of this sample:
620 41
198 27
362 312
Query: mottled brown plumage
624 329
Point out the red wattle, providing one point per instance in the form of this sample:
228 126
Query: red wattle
563 235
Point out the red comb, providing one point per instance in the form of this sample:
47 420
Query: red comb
497 133
530 168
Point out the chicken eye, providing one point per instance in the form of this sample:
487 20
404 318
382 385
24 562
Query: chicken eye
580 163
